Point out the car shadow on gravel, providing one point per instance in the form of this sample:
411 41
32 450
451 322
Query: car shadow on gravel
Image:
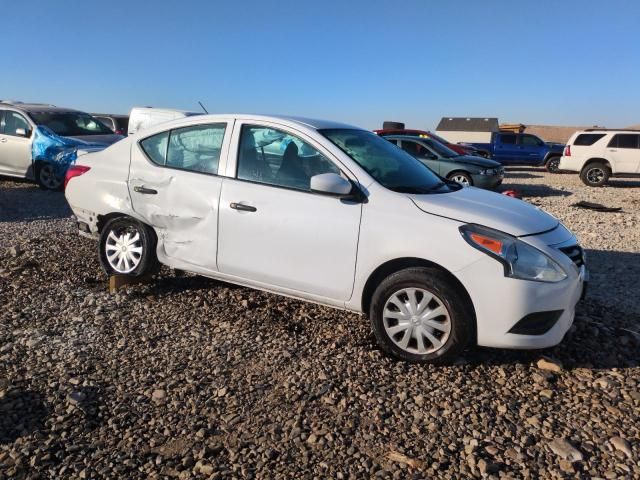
533 190
21 413
512 174
27 202
623 183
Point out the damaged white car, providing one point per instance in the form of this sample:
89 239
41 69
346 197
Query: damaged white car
333 214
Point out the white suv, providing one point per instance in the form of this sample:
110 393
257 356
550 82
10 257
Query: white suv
336 215
599 154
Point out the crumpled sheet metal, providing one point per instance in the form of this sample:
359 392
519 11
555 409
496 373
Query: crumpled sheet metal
59 151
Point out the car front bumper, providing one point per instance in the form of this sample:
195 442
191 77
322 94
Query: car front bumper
501 302
487 181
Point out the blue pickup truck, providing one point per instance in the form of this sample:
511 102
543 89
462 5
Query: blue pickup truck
522 149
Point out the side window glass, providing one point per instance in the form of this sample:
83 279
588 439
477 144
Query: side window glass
14 121
196 148
1 121
411 148
508 139
156 147
624 140
274 157
530 140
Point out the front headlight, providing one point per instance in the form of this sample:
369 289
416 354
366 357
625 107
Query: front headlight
520 260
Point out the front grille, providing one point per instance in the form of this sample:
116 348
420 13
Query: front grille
575 253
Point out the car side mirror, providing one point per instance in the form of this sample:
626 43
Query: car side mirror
331 184
22 132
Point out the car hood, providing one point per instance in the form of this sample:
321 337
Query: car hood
476 161
493 210
99 139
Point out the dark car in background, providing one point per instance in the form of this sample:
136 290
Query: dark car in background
118 124
464 169
397 128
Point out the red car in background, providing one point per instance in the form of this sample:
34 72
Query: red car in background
461 149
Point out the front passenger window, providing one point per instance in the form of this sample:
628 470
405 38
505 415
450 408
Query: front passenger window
14 121
277 158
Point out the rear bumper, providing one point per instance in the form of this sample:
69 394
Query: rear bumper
571 164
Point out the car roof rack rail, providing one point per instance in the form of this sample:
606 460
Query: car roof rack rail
595 129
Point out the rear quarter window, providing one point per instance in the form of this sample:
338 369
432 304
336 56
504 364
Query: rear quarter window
155 147
586 139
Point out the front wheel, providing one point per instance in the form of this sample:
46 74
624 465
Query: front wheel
595 174
419 316
47 176
462 178
128 247
553 165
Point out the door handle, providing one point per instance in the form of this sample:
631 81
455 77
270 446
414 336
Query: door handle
145 190
243 208
3 140
613 150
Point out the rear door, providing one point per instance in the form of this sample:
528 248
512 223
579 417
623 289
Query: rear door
274 231
15 144
175 187
505 148
623 152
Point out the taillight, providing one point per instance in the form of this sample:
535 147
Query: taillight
75 171
567 151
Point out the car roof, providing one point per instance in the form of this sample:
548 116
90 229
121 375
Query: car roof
36 107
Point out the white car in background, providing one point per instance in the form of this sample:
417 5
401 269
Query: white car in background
598 154
141 118
340 217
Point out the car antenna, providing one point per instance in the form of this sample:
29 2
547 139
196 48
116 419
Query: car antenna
205 110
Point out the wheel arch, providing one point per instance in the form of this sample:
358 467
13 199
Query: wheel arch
392 266
597 160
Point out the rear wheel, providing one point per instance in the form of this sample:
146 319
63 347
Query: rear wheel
47 177
553 165
128 247
595 174
462 178
418 315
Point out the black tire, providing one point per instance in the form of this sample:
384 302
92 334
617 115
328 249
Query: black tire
595 174
435 282
120 226
46 176
392 126
459 176
552 165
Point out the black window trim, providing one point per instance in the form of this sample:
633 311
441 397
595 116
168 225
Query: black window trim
166 150
354 184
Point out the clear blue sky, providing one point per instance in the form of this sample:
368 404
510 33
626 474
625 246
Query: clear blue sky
358 61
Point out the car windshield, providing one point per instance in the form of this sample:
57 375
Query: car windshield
440 149
70 124
387 164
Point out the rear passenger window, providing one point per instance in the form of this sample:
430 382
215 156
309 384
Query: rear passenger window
624 140
156 147
509 139
586 139
196 148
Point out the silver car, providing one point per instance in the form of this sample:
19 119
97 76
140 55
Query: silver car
18 122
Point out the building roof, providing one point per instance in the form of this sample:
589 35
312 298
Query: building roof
468 124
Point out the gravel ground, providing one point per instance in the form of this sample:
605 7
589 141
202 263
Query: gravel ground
188 377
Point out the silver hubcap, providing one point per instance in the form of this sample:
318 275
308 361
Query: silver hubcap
124 250
49 178
595 175
416 320
461 179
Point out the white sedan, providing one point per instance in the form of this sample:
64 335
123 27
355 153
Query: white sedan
332 214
